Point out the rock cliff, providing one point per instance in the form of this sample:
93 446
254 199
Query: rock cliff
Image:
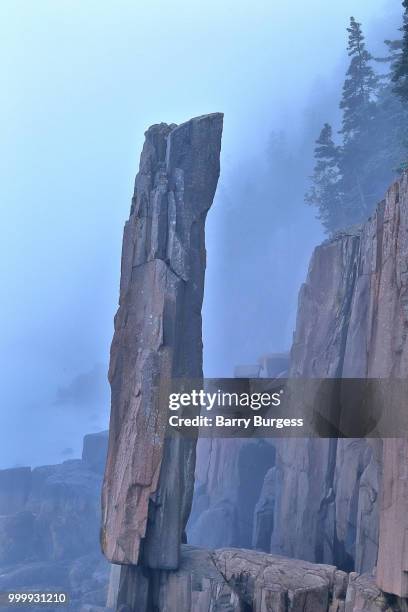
313 499
49 528
322 499
352 323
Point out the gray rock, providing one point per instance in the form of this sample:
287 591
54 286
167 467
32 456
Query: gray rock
390 351
276 584
94 451
264 512
230 475
15 486
324 502
65 500
35 575
52 538
16 537
363 595
196 586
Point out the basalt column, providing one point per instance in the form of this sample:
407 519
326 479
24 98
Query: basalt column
149 476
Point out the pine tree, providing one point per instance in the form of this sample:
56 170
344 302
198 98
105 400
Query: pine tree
349 180
360 84
392 115
324 192
400 64
358 126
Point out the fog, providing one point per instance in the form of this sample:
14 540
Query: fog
81 82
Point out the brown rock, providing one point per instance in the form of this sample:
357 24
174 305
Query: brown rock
149 480
391 349
323 504
392 570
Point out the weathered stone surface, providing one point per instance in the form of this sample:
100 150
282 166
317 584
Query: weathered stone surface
392 571
356 300
264 512
148 480
323 504
196 586
310 471
229 480
233 580
94 451
266 583
16 537
390 349
15 486
363 595
52 538
84 580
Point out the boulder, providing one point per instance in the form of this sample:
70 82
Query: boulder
268 583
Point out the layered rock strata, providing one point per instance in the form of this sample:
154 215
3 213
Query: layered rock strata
149 477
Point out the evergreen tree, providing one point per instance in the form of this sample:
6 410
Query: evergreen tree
349 180
358 129
324 192
400 64
360 84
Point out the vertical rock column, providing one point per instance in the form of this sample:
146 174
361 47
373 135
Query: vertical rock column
390 346
149 477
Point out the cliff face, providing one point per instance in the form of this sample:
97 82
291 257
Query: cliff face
49 528
313 499
322 500
352 322
149 478
233 580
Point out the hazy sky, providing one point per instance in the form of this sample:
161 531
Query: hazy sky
81 81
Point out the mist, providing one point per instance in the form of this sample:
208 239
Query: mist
82 82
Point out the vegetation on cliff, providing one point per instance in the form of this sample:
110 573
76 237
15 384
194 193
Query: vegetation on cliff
350 176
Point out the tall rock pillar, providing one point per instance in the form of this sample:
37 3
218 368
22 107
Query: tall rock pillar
149 477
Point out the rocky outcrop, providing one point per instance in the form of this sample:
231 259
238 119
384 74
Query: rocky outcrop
229 481
49 528
311 499
149 476
322 499
355 295
237 580
363 595
14 489
196 586
392 570
276 584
